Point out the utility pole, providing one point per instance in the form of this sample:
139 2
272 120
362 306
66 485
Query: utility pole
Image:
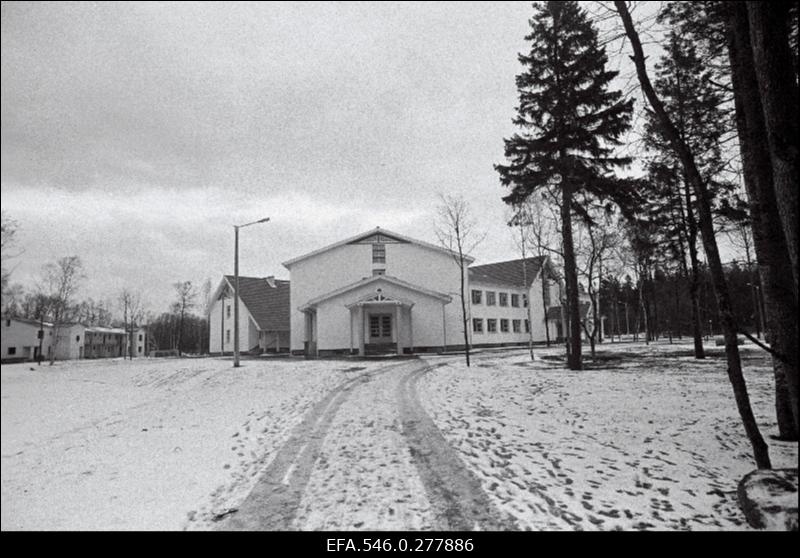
236 290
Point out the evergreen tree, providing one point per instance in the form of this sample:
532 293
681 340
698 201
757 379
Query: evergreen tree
570 123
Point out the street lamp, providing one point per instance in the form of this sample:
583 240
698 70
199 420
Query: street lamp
236 290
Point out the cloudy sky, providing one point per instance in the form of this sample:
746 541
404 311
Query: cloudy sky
134 135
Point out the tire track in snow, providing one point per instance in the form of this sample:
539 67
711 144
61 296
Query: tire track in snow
273 503
454 491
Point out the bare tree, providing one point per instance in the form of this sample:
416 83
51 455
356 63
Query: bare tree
8 242
457 231
61 280
131 304
187 297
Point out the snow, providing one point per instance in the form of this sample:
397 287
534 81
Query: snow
148 444
652 443
645 438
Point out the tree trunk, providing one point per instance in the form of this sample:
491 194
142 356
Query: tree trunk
735 375
464 314
772 57
780 305
570 278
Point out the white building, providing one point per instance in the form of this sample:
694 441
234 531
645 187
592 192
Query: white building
263 316
380 292
20 340
377 292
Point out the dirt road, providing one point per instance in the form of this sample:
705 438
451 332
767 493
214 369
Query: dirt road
368 454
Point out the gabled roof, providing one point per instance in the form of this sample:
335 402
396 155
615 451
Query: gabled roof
376 279
509 272
268 304
392 236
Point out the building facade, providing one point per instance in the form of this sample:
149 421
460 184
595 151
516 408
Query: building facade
380 292
263 316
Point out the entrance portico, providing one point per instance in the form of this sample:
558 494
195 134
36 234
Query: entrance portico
374 316
385 324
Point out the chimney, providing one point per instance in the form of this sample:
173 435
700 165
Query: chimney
271 281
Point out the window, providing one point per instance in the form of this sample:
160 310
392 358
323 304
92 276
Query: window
476 297
490 301
12 351
379 272
527 326
228 336
140 337
491 325
77 338
503 299
229 310
477 324
504 326
140 350
525 300
516 326
515 300
378 253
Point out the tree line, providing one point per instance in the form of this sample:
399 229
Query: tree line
720 111
53 298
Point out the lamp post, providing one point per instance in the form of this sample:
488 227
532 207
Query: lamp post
236 289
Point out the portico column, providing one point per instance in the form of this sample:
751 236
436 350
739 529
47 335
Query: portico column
411 329
398 312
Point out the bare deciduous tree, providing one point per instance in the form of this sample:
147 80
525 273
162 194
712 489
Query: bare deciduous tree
458 232
187 297
61 280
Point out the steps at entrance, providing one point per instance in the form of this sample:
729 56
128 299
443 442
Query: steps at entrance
378 349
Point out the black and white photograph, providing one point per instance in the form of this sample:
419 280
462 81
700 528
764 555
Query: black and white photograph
394 275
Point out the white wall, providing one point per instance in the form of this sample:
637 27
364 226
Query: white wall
70 342
248 332
20 335
348 264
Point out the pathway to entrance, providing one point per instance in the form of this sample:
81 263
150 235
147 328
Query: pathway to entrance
368 454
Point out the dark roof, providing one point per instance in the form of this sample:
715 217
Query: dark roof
509 272
268 305
554 312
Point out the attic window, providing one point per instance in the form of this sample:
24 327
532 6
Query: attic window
379 253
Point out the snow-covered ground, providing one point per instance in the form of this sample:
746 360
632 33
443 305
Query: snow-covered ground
145 444
646 438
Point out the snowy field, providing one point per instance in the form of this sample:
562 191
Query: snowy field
145 444
646 438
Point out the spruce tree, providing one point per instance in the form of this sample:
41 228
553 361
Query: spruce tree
570 123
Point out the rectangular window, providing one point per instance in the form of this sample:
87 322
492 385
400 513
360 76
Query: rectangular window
515 300
140 337
503 299
229 310
490 300
476 297
378 253
525 300
477 324
504 326
491 325
527 326
12 351
228 336
516 325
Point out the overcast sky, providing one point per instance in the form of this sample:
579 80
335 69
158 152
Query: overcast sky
134 135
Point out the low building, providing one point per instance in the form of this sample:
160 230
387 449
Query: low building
21 340
263 316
